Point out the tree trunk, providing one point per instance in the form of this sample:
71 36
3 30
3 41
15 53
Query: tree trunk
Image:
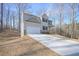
61 17
7 20
73 21
19 18
22 25
1 16
13 21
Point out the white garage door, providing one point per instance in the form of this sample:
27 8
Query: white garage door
33 30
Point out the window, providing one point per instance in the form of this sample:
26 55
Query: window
44 20
50 22
44 27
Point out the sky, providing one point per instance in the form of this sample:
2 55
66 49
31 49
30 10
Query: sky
50 9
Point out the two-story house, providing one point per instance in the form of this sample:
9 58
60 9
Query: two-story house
34 25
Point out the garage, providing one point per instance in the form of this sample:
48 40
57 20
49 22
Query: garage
32 24
33 30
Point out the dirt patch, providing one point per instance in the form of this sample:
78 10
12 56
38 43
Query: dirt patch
25 46
8 35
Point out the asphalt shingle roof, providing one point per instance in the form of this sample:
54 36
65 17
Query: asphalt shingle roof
31 18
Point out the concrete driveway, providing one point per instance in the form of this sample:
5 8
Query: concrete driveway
57 44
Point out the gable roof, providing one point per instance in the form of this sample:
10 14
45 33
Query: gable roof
31 18
45 16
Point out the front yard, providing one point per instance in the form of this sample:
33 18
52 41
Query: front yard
12 44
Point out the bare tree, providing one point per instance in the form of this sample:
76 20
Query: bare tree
19 16
73 9
1 16
61 15
13 21
8 17
41 12
54 14
21 8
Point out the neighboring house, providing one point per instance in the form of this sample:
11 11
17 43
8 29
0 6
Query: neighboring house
34 25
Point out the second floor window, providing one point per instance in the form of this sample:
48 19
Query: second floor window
44 20
49 22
